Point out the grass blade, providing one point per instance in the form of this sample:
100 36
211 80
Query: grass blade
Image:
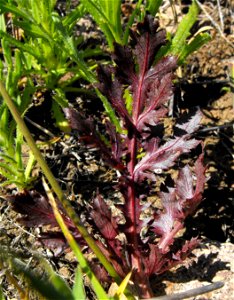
152 6
101 294
19 45
42 285
194 45
183 30
1 294
78 287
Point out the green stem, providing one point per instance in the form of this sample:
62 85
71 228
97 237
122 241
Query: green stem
97 287
55 186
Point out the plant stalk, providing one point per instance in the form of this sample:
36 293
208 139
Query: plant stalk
145 289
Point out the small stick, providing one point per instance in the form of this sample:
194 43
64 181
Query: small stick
215 24
220 15
193 292
215 127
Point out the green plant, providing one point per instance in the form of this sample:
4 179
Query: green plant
49 51
134 166
65 203
179 45
49 284
107 15
13 166
47 48
52 285
150 87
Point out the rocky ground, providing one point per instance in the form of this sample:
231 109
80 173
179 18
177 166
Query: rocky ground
204 81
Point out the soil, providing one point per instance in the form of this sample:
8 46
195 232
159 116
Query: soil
203 82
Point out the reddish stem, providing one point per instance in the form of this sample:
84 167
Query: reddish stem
136 261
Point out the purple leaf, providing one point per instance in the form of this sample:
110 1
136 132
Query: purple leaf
34 207
147 42
106 224
113 90
167 222
192 124
187 248
184 183
54 241
125 67
155 261
90 137
187 195
162 158
178 203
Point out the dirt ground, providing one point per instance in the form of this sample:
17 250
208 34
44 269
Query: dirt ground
204 81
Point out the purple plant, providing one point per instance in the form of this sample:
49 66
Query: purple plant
141 154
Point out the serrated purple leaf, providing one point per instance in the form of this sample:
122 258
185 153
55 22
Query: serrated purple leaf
178 203
148 42
106 224
192 124
34 207
113 90
163 158
188 196
186 249
152 118
54 241
90 137
184 183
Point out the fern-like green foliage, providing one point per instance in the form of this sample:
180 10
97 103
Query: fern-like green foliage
107 15
49 49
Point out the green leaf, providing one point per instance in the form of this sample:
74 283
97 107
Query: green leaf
60 285
20 12
70 20
98 12
183 30
123 285
7 158
72 51
2 23
128 100
19 45
10 169
152 6
130 21
60 119
6 52
112 11
78 290
197 42
18 65
31 162
34 30
35 10
54 289
1 294
4 119
18 149
60 98
10 178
